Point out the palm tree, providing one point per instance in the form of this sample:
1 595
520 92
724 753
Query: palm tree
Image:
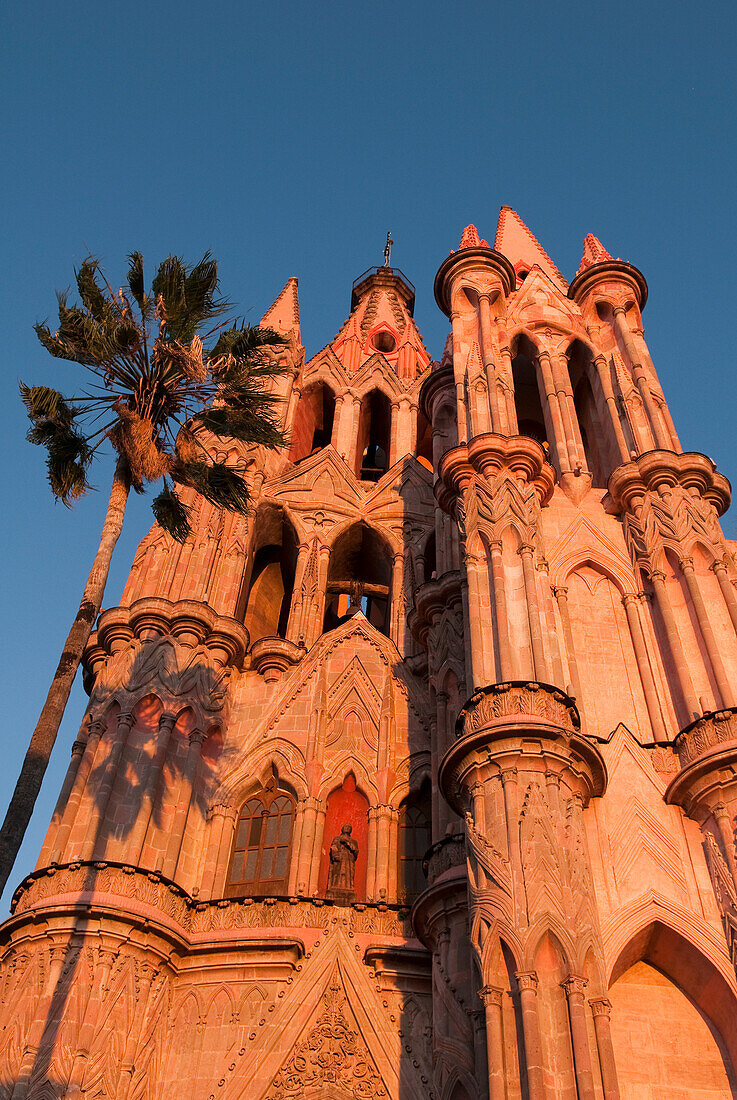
157 396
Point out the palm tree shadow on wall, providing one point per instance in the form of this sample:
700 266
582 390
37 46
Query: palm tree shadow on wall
153 775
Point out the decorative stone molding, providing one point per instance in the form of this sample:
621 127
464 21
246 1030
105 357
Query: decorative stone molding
667 501
443 855
92 882
272 657
706 734
506 726
498 703
432 599
495 459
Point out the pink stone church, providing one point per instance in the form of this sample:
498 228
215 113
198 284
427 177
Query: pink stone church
419 783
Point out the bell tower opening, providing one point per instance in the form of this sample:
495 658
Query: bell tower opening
374 433
359 579
313 422
530 417
269 598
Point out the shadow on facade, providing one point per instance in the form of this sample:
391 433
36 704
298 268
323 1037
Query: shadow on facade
148 749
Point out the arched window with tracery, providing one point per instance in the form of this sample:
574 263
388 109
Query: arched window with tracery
414 841
263 836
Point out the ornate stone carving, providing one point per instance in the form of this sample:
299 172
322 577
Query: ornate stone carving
510 700
446 853
333 1054
705 734
198 917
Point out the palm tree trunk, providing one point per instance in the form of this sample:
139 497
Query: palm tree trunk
44 736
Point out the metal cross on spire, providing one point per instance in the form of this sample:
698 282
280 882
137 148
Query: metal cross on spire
388 250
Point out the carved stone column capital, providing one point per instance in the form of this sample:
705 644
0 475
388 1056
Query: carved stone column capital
574 986
601 1006
491 995
527 980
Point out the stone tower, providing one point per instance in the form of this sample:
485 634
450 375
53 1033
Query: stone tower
422 780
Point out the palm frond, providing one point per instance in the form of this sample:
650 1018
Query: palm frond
135 281
217 483
43 403
253 423
244 342
171 513
102 308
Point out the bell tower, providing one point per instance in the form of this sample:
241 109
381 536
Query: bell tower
420 780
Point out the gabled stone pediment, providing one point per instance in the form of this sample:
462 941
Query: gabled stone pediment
584 541
324 468
540 303
329 1036
324 367
403 474
375 368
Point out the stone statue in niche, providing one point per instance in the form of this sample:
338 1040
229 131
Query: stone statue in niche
342 876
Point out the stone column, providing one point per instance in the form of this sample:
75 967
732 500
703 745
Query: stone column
101 797
621 327
561 595
507 663
632 610
527 984
550 401
185 803
69 806
707 633
601 1008
674 643
605 381
488 361
149 780
541 671
492 998
218 816
307 844
725 826
575 988
730 596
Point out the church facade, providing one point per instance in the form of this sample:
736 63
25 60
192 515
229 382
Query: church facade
421 780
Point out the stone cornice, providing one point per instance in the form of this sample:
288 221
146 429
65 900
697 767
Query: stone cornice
490 455
707 751
658 471
135 893
609 271
506 725
189 621
473 258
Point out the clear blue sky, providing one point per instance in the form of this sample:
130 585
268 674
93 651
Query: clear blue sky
287 138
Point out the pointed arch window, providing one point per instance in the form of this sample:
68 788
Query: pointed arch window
414 841
263 837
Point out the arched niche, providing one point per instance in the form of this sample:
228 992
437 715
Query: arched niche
274 559
444 430
557 1053
346 805
414 841
374 436
359 578
313 422
673 1020
594 418
604 654
423 449
530 418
